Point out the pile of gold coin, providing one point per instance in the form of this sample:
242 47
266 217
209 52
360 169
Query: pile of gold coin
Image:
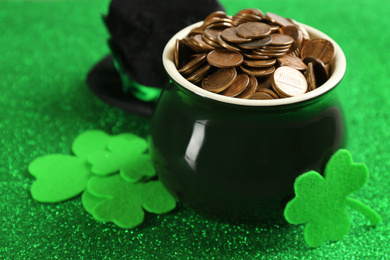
253 55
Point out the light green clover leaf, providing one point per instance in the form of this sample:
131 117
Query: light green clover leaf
321 202
59 177
123 202
126 154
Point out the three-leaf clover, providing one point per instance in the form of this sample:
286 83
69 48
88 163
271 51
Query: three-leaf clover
321 202
59 177
116 200
126 155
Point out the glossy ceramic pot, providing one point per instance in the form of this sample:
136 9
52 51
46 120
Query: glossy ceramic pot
237 159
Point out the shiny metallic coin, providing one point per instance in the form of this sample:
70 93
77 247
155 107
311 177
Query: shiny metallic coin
199 74
255 44
272 54
275 47
311 80
255 56
195 31
230 35
295 33
220 80
259 63
258 72
193 64
274 27
237 87
250 89
176 53
215 20
319 48
270 92
261 95
223 58
219 26
212 34
216 45
321 72
219 14
198 40
253 30
277 19
226 45
292 61
189 42
289 82
267 51
264 82
253 11
281 39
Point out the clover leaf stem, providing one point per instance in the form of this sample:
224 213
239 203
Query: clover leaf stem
368 212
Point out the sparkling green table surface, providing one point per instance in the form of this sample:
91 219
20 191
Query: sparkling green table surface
46 50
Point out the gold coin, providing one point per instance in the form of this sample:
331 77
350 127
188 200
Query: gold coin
253 30
289 82
250 89
223 58
220 80
238 86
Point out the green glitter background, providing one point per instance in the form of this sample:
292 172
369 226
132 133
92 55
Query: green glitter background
46 50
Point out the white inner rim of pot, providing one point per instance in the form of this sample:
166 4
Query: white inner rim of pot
338 67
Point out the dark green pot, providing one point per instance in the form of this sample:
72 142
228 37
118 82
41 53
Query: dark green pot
237 159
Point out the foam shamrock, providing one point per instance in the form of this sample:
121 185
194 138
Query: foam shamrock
321 202
59 177
126 155
116 200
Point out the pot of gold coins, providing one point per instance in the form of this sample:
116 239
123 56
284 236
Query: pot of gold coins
250 106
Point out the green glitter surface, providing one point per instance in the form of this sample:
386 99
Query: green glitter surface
45 52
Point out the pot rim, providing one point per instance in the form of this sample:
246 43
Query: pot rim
338 67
